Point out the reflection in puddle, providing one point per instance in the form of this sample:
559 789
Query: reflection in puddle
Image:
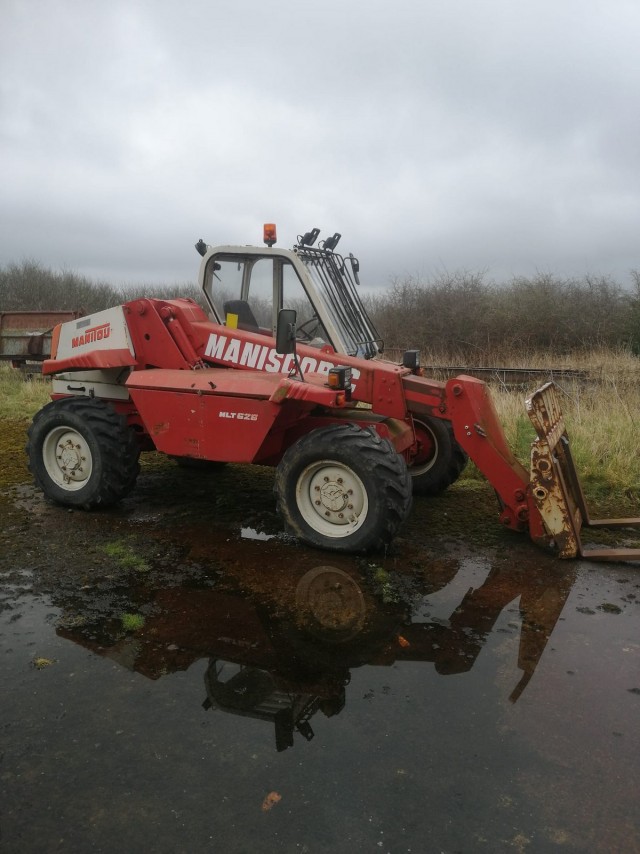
252 534
284 650
435 703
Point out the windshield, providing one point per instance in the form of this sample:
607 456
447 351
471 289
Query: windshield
335 284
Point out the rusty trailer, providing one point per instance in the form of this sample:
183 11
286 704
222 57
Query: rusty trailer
25 336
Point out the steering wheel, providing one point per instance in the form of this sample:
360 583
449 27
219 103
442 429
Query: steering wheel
308 328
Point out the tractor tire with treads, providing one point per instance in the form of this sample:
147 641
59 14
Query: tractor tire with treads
343 488
82 453
441 459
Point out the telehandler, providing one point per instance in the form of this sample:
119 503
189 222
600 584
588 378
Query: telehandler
287 371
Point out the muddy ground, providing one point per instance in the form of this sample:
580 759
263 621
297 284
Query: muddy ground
178 676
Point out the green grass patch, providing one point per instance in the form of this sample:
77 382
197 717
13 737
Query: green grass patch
125 556
383 584
131 622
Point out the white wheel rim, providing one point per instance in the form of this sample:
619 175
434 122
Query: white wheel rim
332 499
67 458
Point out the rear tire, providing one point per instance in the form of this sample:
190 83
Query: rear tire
343 488
82 453
441 459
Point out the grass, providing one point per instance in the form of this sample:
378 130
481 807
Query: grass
602 365
132 622
601 418
20 397
125 556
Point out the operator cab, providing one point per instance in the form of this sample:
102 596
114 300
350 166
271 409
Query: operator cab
247 286
246 291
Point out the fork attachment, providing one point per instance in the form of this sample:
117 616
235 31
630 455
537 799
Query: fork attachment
555 485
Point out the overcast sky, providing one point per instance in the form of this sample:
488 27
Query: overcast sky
501 135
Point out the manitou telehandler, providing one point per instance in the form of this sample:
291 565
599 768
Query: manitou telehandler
287 371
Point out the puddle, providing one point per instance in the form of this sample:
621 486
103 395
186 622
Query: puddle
178 677
276 702
252 534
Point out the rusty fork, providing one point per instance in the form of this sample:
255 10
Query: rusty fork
556 488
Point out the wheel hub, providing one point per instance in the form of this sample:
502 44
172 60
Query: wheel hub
67 458
333 496
332 493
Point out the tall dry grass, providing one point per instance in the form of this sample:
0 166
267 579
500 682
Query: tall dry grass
601 409
21 397
601 414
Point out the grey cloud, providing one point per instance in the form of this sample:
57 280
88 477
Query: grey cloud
465 135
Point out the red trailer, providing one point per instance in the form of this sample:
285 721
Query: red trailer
25 336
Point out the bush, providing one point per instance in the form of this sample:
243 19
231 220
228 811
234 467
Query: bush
31 287
476 321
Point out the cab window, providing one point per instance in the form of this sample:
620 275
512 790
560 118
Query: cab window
309 329
242 287
253 289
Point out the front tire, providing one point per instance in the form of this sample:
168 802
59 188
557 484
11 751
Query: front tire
82 453
343 488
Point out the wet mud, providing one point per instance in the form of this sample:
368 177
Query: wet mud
178 676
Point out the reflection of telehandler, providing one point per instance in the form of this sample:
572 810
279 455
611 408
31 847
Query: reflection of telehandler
283 664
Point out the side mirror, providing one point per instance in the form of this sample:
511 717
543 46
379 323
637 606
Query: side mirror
286 331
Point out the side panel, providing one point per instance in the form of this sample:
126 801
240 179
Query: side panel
108 383
99 340
206 426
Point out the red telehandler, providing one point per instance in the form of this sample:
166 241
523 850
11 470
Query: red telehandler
287 371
